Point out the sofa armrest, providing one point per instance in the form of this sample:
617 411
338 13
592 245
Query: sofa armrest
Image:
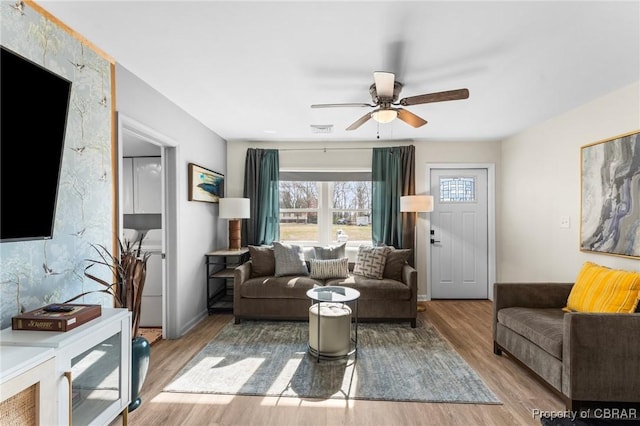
528 295
410 278
240 274
600 353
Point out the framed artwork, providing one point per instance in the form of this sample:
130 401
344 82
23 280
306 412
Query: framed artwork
610 196
204 184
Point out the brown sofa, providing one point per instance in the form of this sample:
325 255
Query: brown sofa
284 297
589 358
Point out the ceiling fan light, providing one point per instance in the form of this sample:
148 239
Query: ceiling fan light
384 115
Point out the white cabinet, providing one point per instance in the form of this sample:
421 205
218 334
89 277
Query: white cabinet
92 366
27 383
142 185
151 312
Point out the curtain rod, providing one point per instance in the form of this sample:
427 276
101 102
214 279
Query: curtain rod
324 149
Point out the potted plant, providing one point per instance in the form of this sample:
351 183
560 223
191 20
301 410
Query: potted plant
129 270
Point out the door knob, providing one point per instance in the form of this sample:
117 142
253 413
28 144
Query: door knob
434 241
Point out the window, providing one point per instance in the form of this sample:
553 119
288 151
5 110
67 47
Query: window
457 189
323 211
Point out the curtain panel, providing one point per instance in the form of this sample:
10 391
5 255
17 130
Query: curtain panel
261 180
393 175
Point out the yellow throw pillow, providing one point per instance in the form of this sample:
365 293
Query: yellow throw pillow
601 289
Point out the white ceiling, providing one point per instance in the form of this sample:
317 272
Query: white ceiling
251 70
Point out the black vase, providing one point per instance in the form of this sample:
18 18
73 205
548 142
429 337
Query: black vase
140 354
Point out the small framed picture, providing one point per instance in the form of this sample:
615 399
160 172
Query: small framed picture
204 184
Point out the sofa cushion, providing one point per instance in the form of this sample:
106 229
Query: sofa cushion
289 260
370 261
544 327
396 259
373 288
601 289
332 268
291 287
330 252
263 261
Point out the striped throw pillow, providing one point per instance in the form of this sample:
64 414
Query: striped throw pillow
601 289
332 268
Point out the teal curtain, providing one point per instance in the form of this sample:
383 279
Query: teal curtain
261 181
392 175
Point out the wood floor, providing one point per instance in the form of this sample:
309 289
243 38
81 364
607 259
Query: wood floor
465 324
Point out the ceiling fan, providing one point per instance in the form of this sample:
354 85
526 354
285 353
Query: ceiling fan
384 94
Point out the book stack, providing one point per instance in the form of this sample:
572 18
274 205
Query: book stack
56 317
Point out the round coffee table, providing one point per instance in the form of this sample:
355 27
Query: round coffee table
334 294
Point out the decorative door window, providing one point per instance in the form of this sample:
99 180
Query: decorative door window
457 189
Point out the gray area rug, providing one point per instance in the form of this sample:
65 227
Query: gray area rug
394 363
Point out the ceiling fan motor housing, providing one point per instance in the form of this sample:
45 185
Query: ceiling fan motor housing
397 87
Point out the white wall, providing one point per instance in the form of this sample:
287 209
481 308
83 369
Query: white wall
338 155
198 228
541 183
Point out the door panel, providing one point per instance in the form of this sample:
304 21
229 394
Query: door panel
459 233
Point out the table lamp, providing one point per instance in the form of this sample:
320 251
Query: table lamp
235 209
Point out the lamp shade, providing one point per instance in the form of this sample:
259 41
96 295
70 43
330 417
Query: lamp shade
416 203
235 208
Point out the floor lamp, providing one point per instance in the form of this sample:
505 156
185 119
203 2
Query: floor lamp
416 204
235 209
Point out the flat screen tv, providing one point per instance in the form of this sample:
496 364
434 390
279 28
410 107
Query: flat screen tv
33 117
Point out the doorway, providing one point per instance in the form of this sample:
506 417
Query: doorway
461 245
135 140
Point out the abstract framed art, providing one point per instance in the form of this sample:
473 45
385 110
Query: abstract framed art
610 196
204 184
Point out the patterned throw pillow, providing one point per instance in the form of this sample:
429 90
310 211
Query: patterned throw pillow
370 261
601 289
331 268
330 252
263 261
396 259
289 259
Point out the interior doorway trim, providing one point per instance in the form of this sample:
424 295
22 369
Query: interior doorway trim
169 154
491 218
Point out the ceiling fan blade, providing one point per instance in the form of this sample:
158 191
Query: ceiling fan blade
341 105
410 118
384 83
360 121
451 95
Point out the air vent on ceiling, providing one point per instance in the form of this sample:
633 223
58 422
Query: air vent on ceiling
321 128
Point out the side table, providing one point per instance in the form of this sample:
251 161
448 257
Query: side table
219 279
333 294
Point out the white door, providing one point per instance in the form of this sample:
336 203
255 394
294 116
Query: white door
459 245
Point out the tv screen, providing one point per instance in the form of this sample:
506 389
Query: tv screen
33 117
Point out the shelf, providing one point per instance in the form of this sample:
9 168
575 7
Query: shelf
225 273
224 303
